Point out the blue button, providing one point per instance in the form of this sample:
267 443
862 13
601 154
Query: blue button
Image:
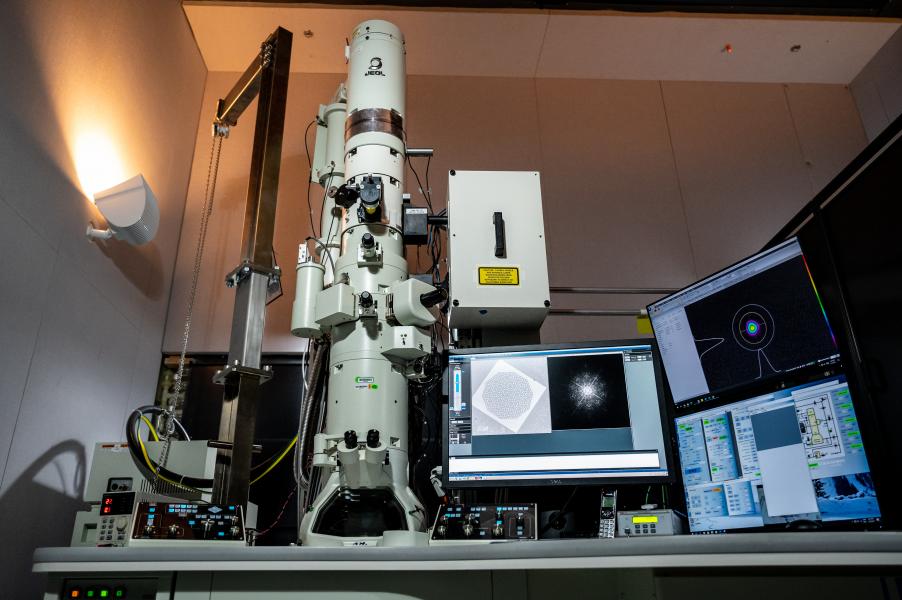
151 510
231 508
190 522
222 534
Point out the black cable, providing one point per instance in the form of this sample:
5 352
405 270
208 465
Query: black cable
281 513
557 514
428 187
420 184
309 176
322 205
131 438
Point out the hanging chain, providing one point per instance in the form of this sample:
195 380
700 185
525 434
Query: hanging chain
209 193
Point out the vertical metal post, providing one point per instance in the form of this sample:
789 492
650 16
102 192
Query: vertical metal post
243 375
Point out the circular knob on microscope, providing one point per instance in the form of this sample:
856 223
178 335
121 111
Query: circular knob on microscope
121 523
366 299
441 530
368 241
149 530
174 531
372 438
350 439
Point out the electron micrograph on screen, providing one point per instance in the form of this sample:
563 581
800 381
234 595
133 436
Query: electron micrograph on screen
768 324
510 396
589 392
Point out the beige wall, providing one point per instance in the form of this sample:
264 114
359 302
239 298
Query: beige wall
878 88
644 183
81 325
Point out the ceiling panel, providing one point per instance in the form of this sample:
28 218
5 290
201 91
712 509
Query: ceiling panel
884 8
693 48
438 43
564 44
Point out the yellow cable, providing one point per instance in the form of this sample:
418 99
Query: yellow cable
153 469
277 461
153 431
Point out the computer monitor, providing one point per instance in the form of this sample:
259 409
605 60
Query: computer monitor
773 459
556 415
758 320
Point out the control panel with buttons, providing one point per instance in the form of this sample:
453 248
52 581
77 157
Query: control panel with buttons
484 523
115 518
187 523
648 522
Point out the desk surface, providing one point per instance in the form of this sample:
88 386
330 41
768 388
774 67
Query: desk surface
750 550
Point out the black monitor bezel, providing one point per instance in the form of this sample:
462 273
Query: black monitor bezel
698 401
665 406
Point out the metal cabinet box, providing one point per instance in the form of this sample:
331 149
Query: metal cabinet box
499 271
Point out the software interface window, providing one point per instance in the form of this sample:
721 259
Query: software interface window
743 324
776 458
555 413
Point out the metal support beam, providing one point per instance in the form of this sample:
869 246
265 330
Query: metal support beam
267 77
587 312
612 291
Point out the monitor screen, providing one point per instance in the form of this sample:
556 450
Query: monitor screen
796 454
546 415
757 320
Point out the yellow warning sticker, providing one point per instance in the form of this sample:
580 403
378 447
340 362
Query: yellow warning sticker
499 276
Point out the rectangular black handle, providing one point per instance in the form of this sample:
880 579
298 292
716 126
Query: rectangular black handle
500 245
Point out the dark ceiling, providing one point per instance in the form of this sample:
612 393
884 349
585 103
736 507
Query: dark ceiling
872 8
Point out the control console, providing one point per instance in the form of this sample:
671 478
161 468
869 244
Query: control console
649 522
161 523
115 518
484 523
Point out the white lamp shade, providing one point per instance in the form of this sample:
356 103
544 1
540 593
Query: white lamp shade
131 210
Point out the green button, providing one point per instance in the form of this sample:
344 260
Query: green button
104 593
90 594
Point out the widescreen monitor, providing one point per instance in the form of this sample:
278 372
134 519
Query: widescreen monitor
794 456
759 320
551 415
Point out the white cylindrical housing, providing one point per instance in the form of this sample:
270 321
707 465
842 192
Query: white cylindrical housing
309 284
332 172
376 67
367 389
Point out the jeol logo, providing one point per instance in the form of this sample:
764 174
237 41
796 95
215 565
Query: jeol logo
375 67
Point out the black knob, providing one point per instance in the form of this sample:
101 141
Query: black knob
370 193
174 531
366 299
351 439
344 196
498 530
372 438
521 520
434 297
368 241
149 530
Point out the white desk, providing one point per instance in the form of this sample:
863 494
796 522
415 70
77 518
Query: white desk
808 557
